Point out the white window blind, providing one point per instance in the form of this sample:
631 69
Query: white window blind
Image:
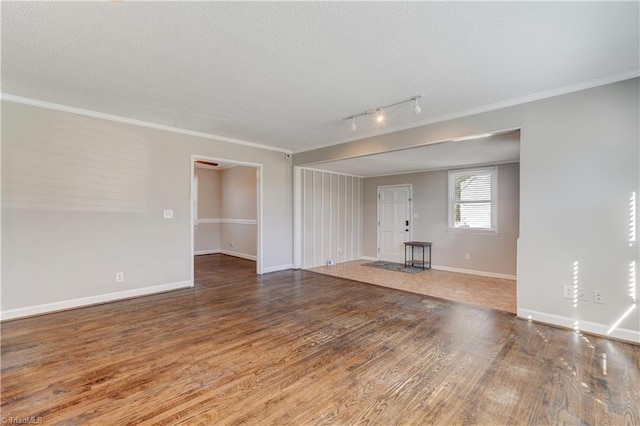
473 199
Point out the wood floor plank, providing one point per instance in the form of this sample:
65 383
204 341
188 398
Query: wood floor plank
297 347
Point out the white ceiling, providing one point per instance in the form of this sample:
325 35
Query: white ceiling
477 151
284 74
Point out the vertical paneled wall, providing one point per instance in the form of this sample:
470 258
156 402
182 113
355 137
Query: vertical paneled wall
331 217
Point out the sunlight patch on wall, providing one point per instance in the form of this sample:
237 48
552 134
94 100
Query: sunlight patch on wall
633 265
633 281
77 164
617 323
632 219
576 270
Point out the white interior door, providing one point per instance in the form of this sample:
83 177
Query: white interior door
394 221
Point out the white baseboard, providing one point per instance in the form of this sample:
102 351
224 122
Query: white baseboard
236 254
91 300
590 327
277 268
201 252
474 272
337 263
227 252
459 270
228 221
369 258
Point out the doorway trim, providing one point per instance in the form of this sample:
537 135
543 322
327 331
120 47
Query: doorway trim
378 225
259 206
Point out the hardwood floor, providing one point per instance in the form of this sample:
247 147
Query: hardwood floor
297 347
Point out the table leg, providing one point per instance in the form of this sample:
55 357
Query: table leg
405 256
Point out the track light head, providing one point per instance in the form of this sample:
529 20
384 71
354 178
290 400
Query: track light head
379 112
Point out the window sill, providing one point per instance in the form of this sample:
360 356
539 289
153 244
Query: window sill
476 231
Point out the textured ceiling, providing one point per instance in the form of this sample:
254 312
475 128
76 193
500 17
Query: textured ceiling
284 74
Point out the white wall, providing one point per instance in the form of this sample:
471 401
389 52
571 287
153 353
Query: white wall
83 198
579 165
490 254
579 169
331 217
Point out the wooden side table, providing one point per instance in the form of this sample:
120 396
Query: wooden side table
411 260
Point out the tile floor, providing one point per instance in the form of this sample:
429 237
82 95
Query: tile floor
494 293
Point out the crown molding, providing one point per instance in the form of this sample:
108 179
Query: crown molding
491 107
135 122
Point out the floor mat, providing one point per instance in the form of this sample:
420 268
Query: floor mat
390 266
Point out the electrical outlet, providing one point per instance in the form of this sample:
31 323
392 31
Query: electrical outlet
598 296
119 277
568 293
467 256
167 214
230 243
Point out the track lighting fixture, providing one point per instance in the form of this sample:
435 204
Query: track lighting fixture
379 111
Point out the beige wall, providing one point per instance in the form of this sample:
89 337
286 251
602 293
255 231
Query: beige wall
83 198
206 238
206 235
238 230
239 193
330 217
227 206
227 212
209 193
579 166
495 254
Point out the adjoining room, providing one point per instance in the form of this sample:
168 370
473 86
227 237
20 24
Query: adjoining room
482 243
225 206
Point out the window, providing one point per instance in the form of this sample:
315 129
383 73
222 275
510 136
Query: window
473 200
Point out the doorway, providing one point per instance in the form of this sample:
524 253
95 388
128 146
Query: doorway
233 223
394 221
